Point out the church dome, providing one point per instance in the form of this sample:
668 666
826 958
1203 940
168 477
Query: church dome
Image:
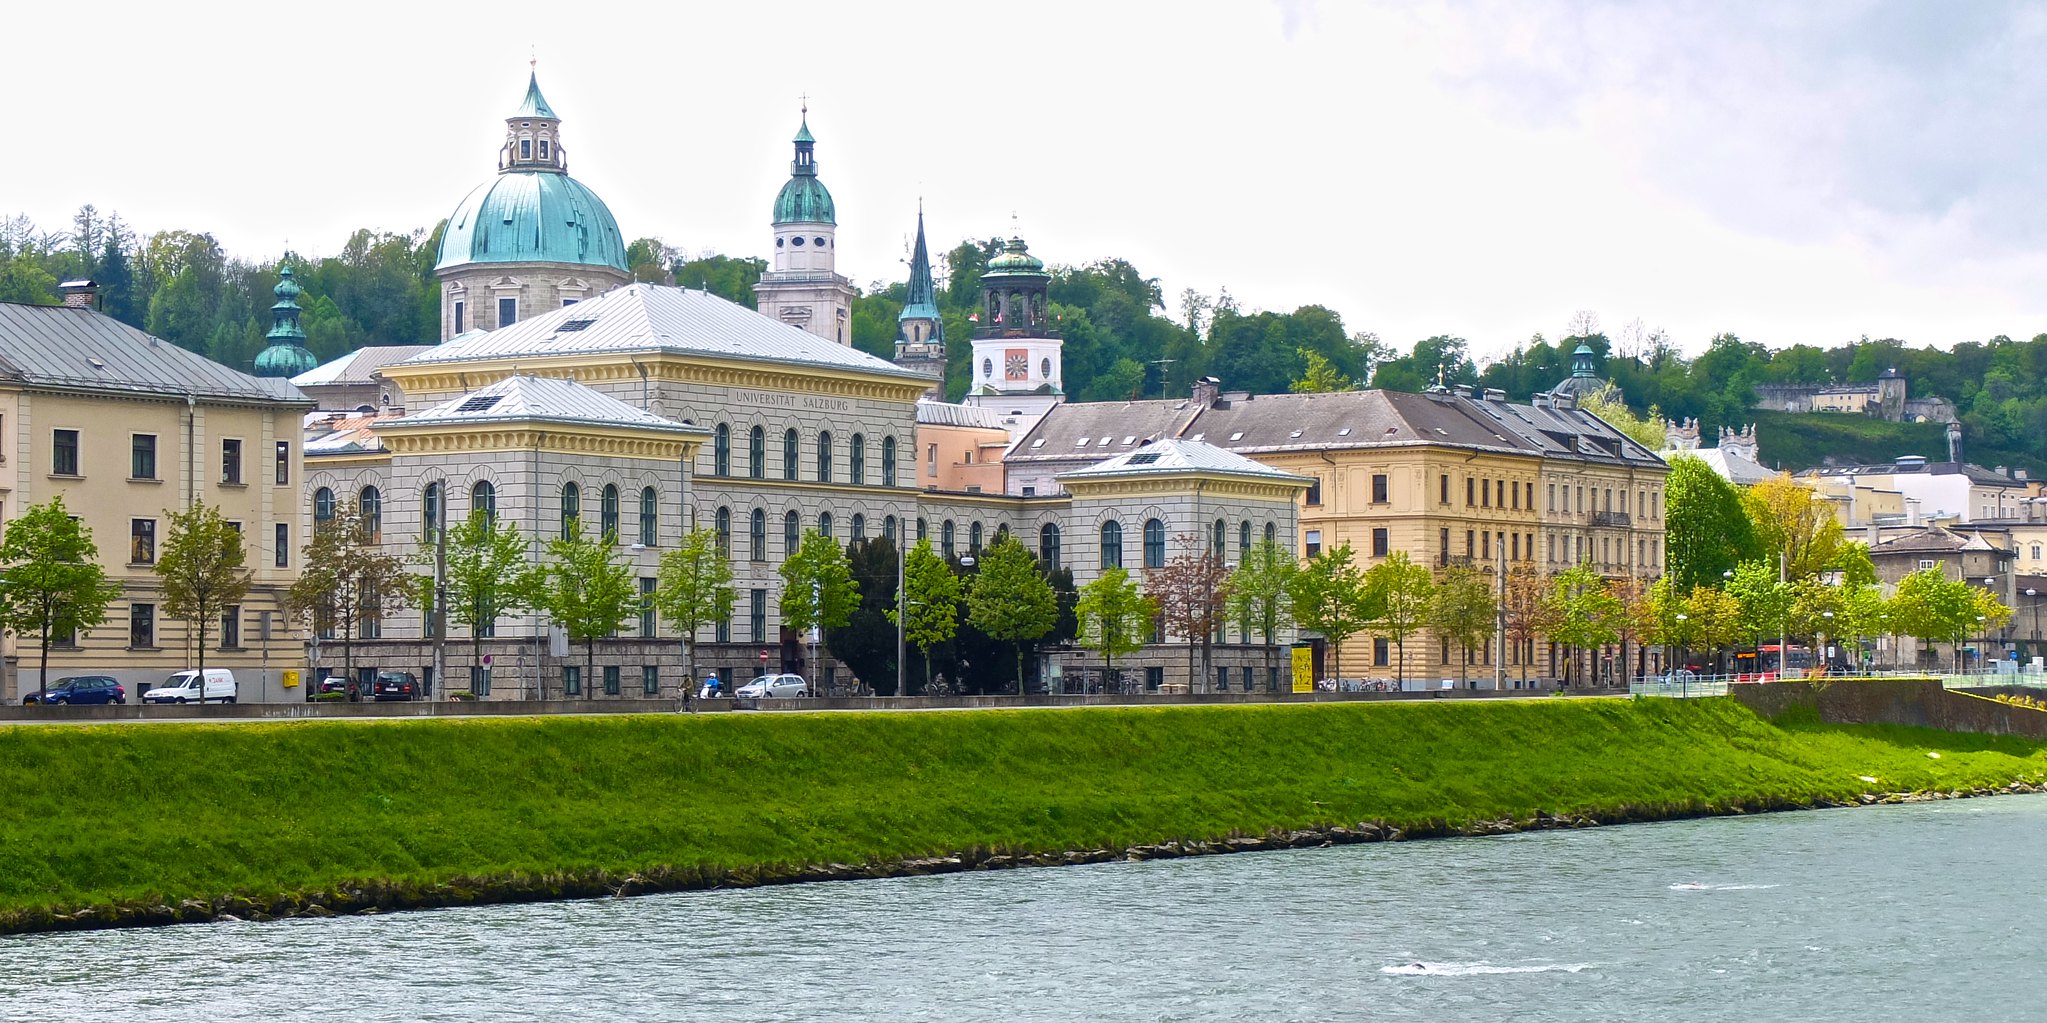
804 200
533 217
284 360
1015 260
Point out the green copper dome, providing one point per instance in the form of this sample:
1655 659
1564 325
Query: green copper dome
1015 260
804 200
535 216
286 355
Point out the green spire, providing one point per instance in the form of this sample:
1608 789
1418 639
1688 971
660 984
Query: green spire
286 355
535 104
804 200
921 301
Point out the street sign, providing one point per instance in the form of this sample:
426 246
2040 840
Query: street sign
486 660
291 678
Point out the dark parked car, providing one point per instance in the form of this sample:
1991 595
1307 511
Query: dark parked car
395 685
80 689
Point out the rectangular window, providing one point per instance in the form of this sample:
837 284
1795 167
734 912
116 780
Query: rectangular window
1581 500
1470 543
1485 493
1379 488
647 606
64 452
1516 548
284 463
1515 497
1552 497
611 680
508 312
1222 679
142 541
231 628
283 556
1315 492
231 462
723 632
142 456
1485 547
572 680
760 616
650 680
1382 652
1443 488
141 626
461 316
1470 492
1314 546
1443 651
1443 542
1379 542
1154 679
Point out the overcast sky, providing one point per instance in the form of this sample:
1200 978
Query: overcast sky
1789 172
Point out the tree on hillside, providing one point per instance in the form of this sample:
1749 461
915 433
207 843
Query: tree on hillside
1011 600
1706 528
1462 609
1328 597
818 590
1260 595
487 576
1114 617
931 599
1401 591
586 591
694 589
347 581
51 582
203 571
1647 430
1192 594
1318 375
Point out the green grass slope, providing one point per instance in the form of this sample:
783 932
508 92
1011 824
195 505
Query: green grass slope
99 813
1798 441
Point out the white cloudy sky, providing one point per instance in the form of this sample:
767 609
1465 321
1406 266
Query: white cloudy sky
1789 172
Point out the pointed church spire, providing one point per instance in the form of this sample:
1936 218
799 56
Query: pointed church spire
921 302
532 135
535 104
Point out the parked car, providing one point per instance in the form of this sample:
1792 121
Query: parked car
184 687
80 689
394 685
774 685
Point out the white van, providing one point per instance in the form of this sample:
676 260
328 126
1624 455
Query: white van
183 687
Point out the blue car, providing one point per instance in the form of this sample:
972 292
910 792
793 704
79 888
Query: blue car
80 689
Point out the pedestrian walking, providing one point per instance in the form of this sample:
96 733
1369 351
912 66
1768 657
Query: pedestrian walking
689 695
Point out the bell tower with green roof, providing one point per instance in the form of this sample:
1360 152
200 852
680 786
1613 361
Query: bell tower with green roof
1017 367
286 355
802 286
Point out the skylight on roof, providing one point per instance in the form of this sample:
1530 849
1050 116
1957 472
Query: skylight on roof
1345 432
1239 435
1198 436
1145 458
480 403
1132 439
572 325
1081 443
1039 443
1294 435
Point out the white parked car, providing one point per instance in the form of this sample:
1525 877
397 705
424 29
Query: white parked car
774 685
183 687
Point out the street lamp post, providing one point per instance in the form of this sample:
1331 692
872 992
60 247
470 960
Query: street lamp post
1728 576
1684 680
1826 631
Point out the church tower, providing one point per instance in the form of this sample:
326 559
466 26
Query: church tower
920 333
803 288
286 355
1016 369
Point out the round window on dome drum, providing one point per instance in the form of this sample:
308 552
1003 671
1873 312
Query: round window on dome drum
799 241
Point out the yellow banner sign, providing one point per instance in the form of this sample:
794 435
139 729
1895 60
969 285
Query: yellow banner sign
1304 669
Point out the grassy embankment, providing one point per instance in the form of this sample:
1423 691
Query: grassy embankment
147 813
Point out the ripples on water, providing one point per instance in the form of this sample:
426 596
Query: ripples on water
1922 912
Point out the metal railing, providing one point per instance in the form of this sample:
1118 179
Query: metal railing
1684 684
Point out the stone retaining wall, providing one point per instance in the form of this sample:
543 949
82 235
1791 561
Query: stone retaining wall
1920 702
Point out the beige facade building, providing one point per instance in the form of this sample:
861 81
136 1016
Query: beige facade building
959 448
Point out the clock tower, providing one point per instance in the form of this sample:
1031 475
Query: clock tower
1016 364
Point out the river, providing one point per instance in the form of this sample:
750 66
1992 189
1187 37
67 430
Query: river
1929 911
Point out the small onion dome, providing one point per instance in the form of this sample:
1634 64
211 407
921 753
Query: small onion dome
1015 259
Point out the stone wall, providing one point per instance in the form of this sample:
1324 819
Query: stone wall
1919 702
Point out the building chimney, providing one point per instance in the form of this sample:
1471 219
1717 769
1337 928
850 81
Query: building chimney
1495 394
1461 390
1206 391
80 294
1954 443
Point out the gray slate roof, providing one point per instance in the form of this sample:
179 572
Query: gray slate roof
654 318
357 366
56 346
945 413
1934 539
1351 419
520 399
1107 426
1181 457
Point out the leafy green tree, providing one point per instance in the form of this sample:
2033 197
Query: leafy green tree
1114 616
1866 615
1765 600
586 590
1646 430
1585 611
1328 596
931 599
1010 600
1528 610
347 580
1706 528
1319 375
54 585
1401 591
866 644
818 589
694 588
1191 590
488 576
1794 523
1462 608
728 277
202 569
1261 595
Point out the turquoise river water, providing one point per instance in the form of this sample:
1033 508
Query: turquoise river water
1924 912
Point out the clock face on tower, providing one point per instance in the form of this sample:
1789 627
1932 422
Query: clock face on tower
1016 364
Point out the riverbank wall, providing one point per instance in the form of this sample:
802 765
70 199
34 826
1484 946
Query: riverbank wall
118 825
1912 702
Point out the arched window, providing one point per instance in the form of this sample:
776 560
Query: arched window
1001 530
721 451
608 515
923 529
323 507
1112 544
484 498
859 527
974 539
650 516
1243 538
824 456
1048 546
945 538
824 523
888 461
757 453
1217 533
856 459
789 454
888 529
792 534
371 504
759 535
723 524
430 510
1154 544
1271 532
572 507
